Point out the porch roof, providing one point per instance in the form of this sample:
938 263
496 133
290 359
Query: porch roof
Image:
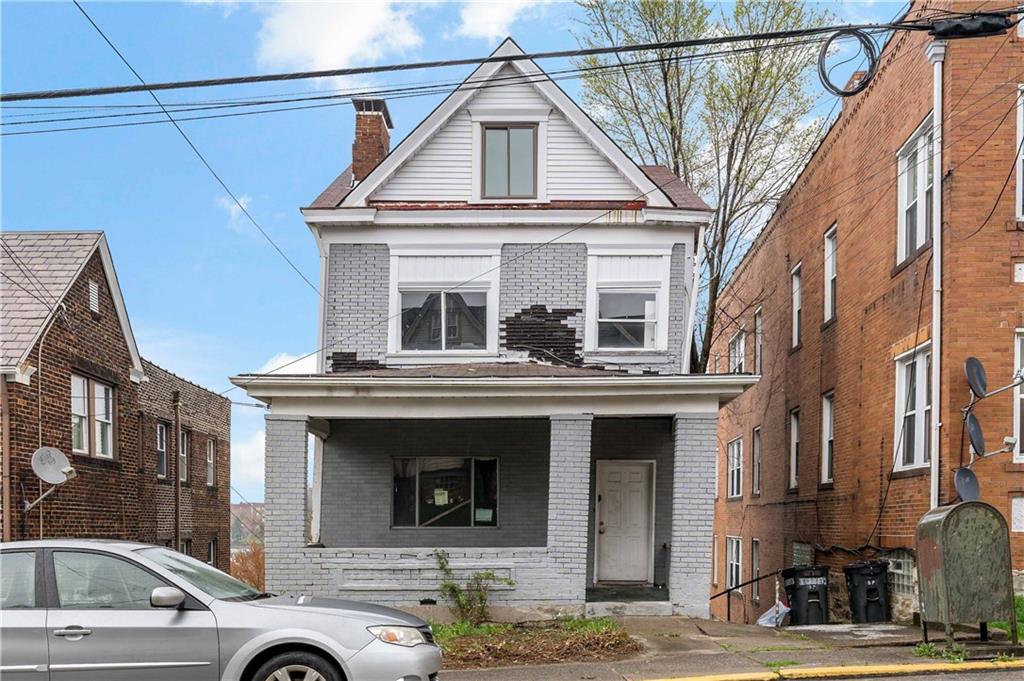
450 392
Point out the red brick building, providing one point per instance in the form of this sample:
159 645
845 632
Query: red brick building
71 377
843 444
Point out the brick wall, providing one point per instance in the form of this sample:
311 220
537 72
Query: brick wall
692 512
851 182
357 303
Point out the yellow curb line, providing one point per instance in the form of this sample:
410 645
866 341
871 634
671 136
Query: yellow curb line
854 671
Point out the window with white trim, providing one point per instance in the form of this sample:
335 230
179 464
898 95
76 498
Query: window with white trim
92 417
735 473
755 569
737 352
794 448
627 300
509 161
913 408
830 251
758 324
211 457
733 562
796 303
755 461
184 441
211 551
714 560
828 441
916 184
1018 395
161 450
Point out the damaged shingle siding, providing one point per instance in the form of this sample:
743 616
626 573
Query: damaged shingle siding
357 301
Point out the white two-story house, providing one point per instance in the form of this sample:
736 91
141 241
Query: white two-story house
507 312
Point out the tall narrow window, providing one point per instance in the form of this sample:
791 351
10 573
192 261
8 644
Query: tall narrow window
755 569
1018 413
103 396
831 250
211 551
92 417
161 450
794 448
916 185
913 408
211 455
79 414
735 475
714 560
737 352
797 303
758 322
827 437
183 445
510 162
755 462
1020 149
733 562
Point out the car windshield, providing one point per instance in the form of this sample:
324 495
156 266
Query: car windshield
202 576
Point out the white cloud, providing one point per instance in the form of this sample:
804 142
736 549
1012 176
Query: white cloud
247 459
227 7
315 35
492 21
236 219
284 363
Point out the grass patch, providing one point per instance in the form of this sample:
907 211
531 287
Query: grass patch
777 649
797 635
776 665
955 652
1005 657
468 646
1018 606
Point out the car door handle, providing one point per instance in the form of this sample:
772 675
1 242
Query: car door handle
72 632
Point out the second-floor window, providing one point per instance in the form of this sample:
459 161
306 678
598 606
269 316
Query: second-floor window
735 473
828 442
913 408
211 457
831 250
444 320
916 181
796 303
184 440
737 353
758 323
92 417
509 161
627 301
794 448
1020 144
161 450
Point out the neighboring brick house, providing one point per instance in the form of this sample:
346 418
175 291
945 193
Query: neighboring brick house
72 378
507 305
844 444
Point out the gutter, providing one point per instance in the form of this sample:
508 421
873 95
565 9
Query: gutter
936 51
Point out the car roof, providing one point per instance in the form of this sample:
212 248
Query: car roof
107 544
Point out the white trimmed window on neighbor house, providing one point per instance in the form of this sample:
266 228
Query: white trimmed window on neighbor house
916 180
627 300
211 551
714 560
796 303
1018 398
831 251
92 417
161 450
737 352
755 569
735 473
1020 145
184 441
828 442
794 448
755 462
913 408
758 324
733 562
211 457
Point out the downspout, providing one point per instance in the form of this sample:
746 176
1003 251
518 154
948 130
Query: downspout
936 52
698 256
5 445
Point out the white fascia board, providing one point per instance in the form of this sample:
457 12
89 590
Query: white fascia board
441 217
137 373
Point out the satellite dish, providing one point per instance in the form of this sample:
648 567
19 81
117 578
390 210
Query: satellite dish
975 435
966 483
50 465
976 377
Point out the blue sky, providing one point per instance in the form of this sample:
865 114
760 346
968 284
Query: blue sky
207 296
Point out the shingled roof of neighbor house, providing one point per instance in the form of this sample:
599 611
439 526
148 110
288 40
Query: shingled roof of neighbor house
37 268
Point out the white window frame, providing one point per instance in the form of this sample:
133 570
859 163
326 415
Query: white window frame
84 416
494 116
211 458
831 249
828 437
211 551
758 331
714 560
484 281
92 421
734 457
737 352
658 284
100 422
161 449
1020 141
755 461
755 569
1018 396
918 142
793 475
733 562
920 410
796 303
184 447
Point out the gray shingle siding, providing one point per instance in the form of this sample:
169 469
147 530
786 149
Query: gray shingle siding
357 301
358 473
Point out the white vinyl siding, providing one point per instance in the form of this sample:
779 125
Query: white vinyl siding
733 562
755 462
831 248
796 303
827 437
755 569
734 457
794 448
913 408
915 192
737 353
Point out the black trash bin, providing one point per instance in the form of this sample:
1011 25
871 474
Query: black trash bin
868 584
807 591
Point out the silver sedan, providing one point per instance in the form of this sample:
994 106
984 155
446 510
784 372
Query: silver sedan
119 611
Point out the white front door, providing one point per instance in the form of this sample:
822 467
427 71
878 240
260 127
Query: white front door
624 521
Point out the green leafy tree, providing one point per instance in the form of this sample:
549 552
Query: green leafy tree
737 128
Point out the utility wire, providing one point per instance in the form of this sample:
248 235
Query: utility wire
199 154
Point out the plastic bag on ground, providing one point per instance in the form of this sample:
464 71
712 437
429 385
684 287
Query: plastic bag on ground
773 616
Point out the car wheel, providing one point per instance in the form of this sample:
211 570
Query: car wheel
296 666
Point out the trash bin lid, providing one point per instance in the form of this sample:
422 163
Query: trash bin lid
869 566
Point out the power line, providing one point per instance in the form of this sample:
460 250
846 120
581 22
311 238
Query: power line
199 154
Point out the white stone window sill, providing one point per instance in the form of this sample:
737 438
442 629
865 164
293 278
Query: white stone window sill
449 357
625 357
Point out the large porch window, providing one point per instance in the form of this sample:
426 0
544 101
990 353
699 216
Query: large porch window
445 492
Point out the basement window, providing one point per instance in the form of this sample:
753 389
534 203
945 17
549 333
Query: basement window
509 162
445 492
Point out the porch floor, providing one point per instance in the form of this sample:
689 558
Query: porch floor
626 593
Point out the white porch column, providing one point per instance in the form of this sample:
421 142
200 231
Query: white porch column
569 502
693 511
284 519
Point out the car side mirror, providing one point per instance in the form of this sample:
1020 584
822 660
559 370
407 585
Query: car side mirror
166 597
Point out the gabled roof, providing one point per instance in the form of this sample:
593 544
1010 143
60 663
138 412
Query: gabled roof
358 196
38 269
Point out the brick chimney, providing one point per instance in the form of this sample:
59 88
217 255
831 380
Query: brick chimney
373 136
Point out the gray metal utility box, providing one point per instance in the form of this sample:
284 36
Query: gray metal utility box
963 567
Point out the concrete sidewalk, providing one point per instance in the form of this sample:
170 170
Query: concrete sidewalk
680 647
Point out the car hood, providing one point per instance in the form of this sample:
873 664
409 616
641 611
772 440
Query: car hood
369 612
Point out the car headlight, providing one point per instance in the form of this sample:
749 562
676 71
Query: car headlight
399 636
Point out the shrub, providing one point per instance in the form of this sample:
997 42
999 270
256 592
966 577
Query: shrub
248 565
467 603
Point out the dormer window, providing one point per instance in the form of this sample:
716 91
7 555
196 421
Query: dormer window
509 161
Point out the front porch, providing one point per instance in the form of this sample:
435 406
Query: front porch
559 503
